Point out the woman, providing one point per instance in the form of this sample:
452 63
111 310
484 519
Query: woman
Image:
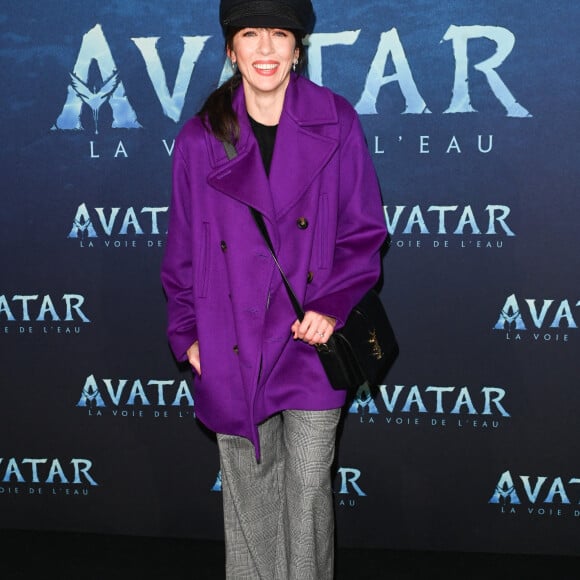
303 163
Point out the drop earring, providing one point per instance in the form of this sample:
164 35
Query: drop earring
234 66
294 65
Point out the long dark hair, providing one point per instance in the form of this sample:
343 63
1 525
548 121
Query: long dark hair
217 112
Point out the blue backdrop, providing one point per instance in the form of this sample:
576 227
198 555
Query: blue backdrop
471 115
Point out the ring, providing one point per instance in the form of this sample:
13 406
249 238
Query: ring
321 334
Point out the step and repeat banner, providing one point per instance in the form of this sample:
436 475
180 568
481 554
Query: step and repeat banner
471 113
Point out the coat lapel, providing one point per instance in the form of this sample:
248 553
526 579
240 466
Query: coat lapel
243 177
301 151
307 138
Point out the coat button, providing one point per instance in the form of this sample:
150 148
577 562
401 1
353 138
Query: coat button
236 349
302 223
309 277
223 246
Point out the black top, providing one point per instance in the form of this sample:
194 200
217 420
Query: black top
266 137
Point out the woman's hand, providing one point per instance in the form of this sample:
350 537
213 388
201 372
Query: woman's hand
193 357
315 328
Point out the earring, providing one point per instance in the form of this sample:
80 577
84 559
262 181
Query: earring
294 65
234 65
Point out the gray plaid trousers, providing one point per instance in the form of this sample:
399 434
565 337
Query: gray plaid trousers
279 512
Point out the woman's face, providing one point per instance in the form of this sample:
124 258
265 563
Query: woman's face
264 57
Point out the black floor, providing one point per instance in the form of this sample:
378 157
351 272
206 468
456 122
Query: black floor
76 556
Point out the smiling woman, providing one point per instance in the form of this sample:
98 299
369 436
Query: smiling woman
300 159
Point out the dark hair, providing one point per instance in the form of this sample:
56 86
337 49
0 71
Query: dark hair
217 112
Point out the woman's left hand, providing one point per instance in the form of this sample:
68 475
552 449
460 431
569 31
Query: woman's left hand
315 328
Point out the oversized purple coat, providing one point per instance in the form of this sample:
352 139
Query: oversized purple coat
323 210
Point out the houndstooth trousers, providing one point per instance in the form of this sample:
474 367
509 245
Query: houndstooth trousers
278 511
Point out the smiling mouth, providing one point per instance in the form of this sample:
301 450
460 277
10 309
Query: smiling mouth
260 66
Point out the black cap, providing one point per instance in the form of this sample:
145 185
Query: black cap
288 14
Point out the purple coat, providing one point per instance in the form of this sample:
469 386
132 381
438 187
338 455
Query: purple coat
323 209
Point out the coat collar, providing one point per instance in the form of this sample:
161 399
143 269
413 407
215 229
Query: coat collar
306 139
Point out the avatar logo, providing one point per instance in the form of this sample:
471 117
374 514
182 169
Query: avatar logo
535 489
43 470
445 219
390 54
114 221
26 307
432 399
122 391
514 314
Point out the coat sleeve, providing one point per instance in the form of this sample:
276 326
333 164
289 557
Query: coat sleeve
177 263
360 231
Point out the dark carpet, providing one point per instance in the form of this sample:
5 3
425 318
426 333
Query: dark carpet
81 556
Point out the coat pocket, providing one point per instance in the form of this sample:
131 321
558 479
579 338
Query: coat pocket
202 270
325 241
